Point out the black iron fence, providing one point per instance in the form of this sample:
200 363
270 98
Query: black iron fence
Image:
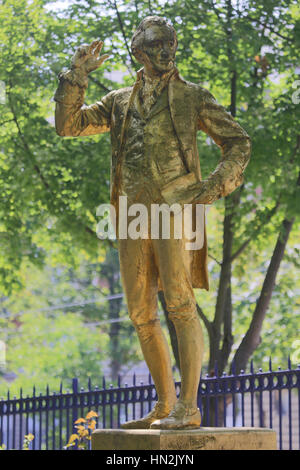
261 399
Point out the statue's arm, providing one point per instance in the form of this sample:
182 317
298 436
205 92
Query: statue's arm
72 117
235 147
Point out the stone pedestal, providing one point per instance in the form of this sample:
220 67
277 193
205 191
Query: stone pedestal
196 439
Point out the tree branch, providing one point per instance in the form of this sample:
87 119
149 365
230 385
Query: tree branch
265 25
227 336
252 338
26 146
99 84
212 257
123 32
5 122
205 320
271 211
256 232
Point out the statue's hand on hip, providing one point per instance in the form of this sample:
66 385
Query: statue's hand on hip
86 59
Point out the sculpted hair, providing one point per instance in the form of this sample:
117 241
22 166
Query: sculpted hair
138 37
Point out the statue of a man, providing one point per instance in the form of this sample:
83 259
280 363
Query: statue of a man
153 128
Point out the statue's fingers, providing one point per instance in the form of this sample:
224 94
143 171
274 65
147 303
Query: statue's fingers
92 46
98 47
103 58
83 50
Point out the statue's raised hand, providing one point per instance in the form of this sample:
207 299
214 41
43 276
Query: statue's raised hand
87 58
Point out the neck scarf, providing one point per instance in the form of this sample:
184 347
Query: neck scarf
152 88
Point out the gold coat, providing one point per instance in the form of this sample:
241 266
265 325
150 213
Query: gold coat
192 109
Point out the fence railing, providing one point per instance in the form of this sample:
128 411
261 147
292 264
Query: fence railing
264 399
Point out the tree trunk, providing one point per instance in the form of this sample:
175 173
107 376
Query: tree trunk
252 338
223 310
114 329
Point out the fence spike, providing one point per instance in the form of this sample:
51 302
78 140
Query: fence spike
75 385
74 405
103 383
270 364
134 379
216 369
251 367
60 387
289 362
89 384
119 380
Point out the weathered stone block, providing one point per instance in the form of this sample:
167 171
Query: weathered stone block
196 439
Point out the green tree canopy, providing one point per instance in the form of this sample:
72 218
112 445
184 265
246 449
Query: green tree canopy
246 53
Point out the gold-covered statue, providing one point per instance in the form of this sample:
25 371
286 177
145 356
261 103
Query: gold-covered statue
153 127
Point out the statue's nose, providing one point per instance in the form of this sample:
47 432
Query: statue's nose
165 53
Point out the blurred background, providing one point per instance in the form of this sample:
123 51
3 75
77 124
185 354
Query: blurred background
62 310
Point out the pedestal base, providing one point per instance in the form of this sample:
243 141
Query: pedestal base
196 439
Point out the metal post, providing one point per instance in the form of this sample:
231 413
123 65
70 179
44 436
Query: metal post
74 407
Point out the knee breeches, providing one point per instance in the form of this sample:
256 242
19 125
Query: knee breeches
147 265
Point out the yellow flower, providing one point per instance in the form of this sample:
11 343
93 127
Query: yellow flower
92 425
72 439
80 420
91 414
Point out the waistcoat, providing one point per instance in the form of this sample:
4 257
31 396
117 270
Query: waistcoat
152 154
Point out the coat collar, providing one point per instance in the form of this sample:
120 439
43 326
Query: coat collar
171 74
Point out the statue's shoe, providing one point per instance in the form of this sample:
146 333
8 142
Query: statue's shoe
160 411
181 417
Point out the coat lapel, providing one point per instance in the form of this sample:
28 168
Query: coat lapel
183 108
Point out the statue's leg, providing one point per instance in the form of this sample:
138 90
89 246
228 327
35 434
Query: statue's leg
181 305
139 279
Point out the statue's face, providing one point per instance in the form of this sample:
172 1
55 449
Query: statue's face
160 47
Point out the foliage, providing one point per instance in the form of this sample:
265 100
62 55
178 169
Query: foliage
246 54
58 328
28 438
85 426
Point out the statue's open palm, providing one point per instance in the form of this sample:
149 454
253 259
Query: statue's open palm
87 57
